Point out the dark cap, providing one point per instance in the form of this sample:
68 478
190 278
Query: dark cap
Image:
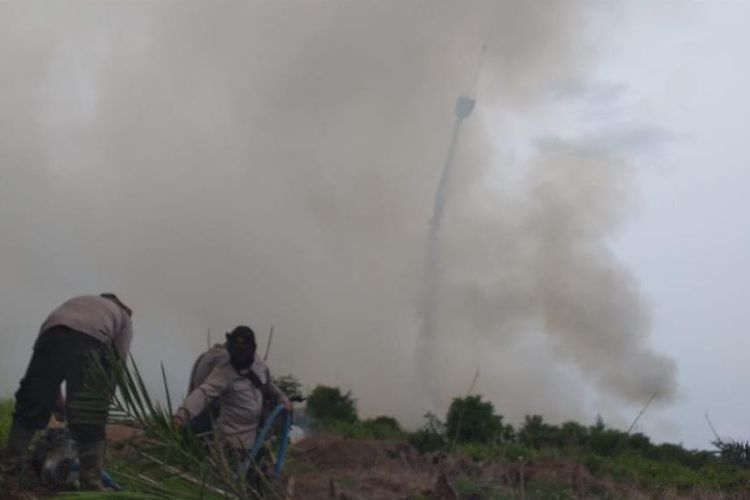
241 335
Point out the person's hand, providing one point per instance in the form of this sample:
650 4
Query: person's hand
178 422
180 418
287 404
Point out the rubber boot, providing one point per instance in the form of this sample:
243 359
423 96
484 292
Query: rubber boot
19 440
91 459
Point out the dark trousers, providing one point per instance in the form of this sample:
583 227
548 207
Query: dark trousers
63 354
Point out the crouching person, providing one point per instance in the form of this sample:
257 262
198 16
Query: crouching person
241 383
81 330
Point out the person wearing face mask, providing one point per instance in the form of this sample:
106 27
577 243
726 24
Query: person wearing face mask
241 382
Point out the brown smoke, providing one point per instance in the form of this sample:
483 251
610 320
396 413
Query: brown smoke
275 163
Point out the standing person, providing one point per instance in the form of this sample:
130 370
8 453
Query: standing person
80 330
241 382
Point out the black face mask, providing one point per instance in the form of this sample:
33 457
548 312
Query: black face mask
241 356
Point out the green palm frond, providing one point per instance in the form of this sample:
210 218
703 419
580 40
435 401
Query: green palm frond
205 470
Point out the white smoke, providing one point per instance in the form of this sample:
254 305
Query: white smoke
275 163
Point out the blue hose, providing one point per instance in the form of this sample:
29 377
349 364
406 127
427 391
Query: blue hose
107 480
263 437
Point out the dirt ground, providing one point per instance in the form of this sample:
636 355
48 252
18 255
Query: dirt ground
325 467
329 467
19 486
121 433
25 485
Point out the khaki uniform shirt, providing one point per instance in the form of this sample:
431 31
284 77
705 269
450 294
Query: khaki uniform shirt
240 400
97 317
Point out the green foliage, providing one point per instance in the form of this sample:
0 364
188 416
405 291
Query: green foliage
573 434
427 442
291 386
734 452
515 451
607 442
480 452
377 428
431 437
6 419
549 490
383 427
536 433
471 420
652 474
474 429
640 443
470 487
386 423
594 463
328 404
507 452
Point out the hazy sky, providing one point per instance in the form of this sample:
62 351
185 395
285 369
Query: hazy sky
679 100
273 163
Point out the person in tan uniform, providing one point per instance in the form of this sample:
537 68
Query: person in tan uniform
81 328
241 382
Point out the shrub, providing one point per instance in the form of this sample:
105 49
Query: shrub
291 386
472 420
549 489
594 463
383 427
376 428
427 442
329 404
734 452
641 443
473 487
536 433
431 437
573 434
514 452
607 442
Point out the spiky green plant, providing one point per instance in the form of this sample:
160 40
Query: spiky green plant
206 465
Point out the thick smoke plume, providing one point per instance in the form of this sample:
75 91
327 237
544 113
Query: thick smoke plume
274 163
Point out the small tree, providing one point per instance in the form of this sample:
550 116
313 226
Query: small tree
536 433
734 452
382 427
472 420
291 386
431 437
329 404
573 434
